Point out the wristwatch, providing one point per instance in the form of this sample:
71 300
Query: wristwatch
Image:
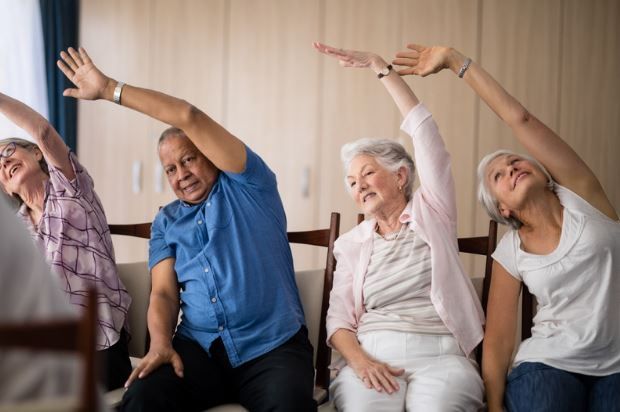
385 71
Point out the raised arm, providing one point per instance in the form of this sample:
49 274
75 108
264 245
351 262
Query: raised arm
54 150
224 150
566 167
162 319
402 94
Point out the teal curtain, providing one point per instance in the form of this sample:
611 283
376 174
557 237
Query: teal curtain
60 30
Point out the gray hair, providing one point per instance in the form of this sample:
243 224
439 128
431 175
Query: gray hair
488 200
171 131
388 153
28 145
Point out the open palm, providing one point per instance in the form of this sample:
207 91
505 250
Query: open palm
90 82
421 60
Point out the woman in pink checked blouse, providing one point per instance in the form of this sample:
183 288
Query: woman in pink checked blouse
57 202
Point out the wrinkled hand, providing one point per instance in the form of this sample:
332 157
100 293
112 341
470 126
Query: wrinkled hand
377 375
349 58
153 360
422 60
91 83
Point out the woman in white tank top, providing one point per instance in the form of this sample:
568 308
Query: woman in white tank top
565 246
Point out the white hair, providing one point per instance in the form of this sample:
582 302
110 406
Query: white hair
388 153
488 199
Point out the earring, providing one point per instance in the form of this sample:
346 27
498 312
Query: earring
400 189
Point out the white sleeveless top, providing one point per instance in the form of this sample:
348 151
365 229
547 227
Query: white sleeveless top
577 286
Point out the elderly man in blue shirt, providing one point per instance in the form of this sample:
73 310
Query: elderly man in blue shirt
220 253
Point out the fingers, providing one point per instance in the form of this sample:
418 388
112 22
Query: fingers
381 381
65 69
68 60
76 57
329 50
132 377
408 71
71 93
85 57
408 54
415 47
405 61
177 364
396 371
149 363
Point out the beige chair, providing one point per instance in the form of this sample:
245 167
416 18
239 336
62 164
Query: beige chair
61 335
137 280
314 288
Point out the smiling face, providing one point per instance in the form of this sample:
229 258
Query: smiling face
512 179
373 187
19 168
190 174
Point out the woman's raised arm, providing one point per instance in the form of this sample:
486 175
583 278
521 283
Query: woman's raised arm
53 148
402 94
564 164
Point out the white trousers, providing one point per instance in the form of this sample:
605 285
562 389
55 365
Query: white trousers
438 376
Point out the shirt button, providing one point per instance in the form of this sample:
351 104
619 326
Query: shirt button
206 270
200 222
208 204
213 300
221 328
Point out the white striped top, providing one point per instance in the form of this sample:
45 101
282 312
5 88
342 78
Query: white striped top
397 286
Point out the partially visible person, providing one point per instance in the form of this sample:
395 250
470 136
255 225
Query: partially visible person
220 253
564 246
28 292
58 204
402 312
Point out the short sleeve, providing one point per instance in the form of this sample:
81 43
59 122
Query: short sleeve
506 254
82 184
256 173
158 248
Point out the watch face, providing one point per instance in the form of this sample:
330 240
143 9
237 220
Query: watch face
385 71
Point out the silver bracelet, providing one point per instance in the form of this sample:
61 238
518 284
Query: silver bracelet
117 92
464 67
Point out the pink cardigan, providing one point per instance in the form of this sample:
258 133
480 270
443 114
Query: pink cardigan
432 213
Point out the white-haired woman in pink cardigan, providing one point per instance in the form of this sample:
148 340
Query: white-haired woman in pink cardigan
402 313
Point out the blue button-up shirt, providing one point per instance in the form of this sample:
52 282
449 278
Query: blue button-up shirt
233 264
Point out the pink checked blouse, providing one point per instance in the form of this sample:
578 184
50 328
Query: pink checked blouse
74 235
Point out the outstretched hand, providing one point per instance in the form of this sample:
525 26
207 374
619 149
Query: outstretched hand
90 82
349 58
422 60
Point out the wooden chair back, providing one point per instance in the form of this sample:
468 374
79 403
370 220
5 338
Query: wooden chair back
62 335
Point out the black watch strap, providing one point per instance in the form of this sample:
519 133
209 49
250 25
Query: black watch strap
384 72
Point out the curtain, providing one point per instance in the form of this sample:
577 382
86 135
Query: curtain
22 66
60 30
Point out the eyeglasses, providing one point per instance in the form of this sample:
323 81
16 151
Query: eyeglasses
8 150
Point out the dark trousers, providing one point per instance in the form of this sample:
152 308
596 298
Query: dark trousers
533 386
114 364
280 380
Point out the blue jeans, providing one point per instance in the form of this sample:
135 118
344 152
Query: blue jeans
535 386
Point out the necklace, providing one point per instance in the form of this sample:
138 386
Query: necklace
390 236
